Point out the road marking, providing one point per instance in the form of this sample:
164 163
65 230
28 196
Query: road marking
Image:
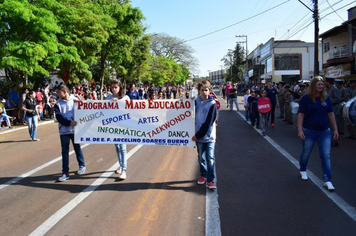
25 127
212 223
341 203
56 217
35 170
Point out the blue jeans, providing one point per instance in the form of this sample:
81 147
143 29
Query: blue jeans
32 125
323 139
247 114
121 155
263 117
65 139
232 101
3 116
255 117
206 160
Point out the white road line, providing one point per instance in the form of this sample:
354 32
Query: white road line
341 203
2 186
56 217
212 223
25 127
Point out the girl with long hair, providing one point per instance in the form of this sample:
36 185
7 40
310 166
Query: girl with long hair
314 118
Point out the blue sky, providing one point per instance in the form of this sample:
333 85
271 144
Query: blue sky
260 20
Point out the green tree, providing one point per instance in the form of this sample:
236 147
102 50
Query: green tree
234 61
27 39
83 25
173 47
117 52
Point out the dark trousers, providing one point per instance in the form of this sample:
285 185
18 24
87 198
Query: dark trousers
271 112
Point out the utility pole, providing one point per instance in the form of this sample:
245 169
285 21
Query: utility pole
230 55
316 35
244 36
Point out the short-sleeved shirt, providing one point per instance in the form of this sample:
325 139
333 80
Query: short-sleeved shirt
228 88
30 104
234 95
252 101
39 96
271 94
133 95
315 113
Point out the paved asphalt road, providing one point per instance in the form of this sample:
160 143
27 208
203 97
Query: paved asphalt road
259 189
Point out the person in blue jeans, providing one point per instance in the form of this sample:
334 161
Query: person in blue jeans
314 116
64 109
118 93
205 133
30 107
233 98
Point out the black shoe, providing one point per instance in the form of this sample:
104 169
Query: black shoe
280 117
334 144
289 123
284 120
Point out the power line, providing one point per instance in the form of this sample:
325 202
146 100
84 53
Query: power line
236 22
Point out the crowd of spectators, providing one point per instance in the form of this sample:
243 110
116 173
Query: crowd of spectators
46 97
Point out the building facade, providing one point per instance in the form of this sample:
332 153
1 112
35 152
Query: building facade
282 60
339 48
217 77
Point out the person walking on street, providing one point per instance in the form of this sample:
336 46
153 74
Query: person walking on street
233 98
64 109
314 116
264 106
281 93
118 93
335 97
343 94
227 90
272 94
205 133
32 118
245 103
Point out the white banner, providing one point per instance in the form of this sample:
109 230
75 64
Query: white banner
147 122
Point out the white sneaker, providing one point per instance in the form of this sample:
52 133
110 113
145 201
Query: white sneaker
122 175
303 175
118 171
329 186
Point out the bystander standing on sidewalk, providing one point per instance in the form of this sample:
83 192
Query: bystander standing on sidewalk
14 104
3 115
32 118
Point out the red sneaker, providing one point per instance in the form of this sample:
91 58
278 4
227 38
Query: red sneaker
202 180
272 125
211 185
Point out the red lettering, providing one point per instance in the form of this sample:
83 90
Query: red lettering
80 104
129 104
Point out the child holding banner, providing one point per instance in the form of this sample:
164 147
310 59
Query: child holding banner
205 133
118 93
263 106
64 110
